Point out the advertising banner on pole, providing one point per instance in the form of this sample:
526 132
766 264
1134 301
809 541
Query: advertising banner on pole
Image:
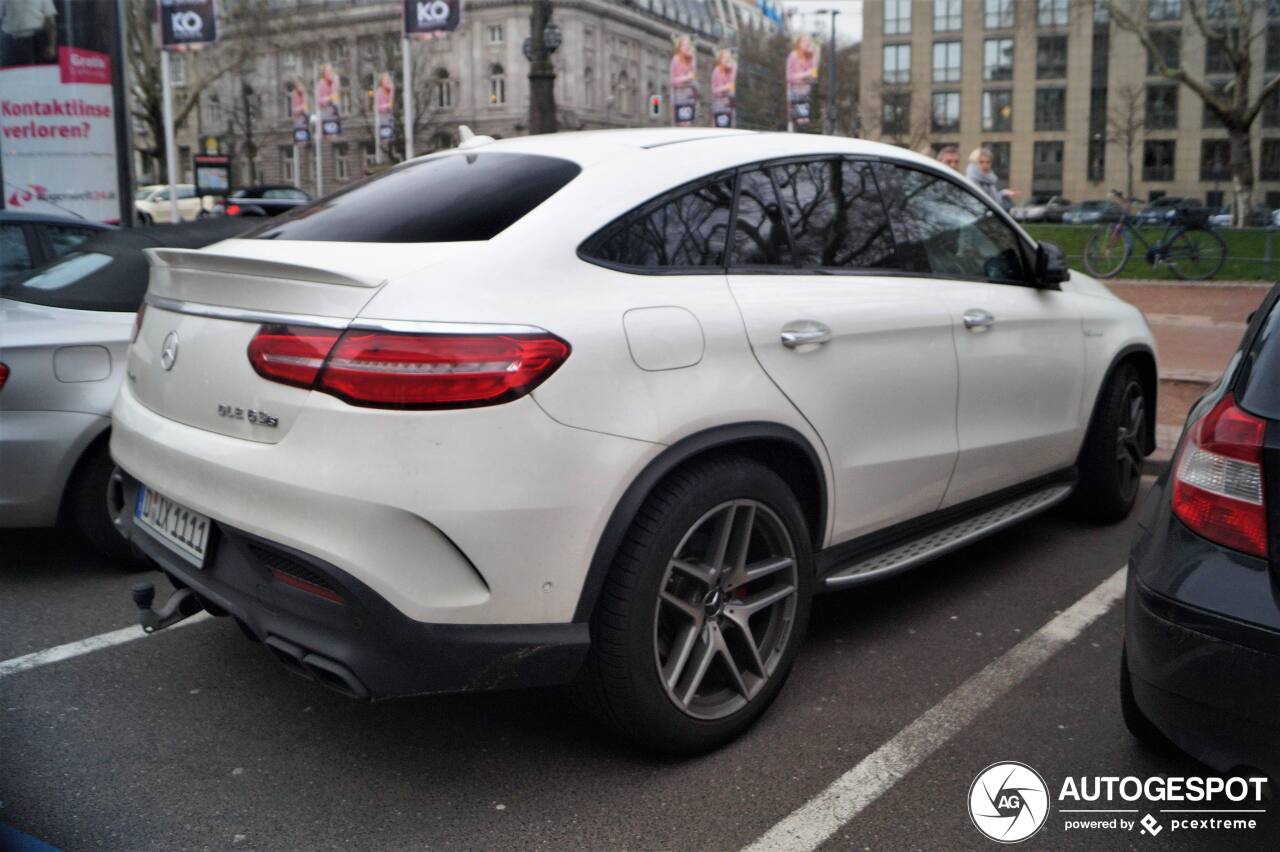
384 103
328 101
684 81
185 23
724 84
300 112
802 72
213 174
58 136
428 18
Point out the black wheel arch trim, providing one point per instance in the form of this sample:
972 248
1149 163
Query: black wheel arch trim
1120 356
716 438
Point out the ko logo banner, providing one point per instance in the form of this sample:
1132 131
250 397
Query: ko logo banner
187 22
429 17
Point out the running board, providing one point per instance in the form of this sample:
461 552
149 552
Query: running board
948 538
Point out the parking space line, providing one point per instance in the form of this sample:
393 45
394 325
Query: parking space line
83 646
814 822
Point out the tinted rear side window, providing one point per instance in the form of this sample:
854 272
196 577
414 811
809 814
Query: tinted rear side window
86 281
759 234
1261 391
835 214
688 228
459 197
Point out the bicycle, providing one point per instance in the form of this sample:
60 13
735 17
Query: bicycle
1187 246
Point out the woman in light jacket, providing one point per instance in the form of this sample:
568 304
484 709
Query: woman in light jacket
983 175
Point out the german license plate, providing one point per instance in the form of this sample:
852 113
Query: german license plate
182 530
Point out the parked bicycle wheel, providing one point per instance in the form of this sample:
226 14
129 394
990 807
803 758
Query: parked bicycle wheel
1107 251
1196 254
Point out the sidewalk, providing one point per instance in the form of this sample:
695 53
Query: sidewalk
1197 327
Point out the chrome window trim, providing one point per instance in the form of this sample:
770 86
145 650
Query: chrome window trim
199 309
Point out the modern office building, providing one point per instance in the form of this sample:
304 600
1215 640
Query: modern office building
1036 80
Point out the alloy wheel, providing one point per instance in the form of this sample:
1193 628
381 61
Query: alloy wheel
1129 440
725 610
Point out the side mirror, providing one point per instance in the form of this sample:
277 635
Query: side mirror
1051 264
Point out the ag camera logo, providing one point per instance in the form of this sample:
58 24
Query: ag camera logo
187 24
1008 802
435 12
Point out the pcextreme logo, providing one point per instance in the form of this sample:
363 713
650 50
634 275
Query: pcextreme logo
1008 802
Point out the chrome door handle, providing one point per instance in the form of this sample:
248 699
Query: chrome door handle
804 333
978 320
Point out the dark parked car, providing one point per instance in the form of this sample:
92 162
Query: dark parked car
1160 211
1092 212
1201 660
28 240
262 201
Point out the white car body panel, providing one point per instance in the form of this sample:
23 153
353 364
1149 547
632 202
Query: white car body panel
492 515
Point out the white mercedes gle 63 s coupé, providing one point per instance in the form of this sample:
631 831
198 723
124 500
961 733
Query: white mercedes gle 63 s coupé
609 408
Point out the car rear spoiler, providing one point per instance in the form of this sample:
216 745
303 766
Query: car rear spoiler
203 260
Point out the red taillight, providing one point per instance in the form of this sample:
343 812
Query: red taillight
290 354
397 370
232 210
4 375
1217 489
137 321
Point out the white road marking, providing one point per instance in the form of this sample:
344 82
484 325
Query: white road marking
821 817
84 646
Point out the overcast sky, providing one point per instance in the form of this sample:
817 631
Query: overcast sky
848 22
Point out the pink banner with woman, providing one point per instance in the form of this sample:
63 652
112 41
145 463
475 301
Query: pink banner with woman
384 101
328 101
684 81
802 72
724 84
298 109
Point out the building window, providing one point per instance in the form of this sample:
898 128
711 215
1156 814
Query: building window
1162 106
1051 109
442 89
998 14
999 158
1209 119
337 50
344 96
946 16
1168 46
1269 167
1053 13
1272 61
1157 160
997 59
1164 10
215 111
946 112
897 63
177 70
1051 57
370 156
997 110
495 33
895 118
286 163
1216 60
897 17
1097 166
1215 158
497 85
1271 110
1101 14
1098 110
1046 167
946 62
340 160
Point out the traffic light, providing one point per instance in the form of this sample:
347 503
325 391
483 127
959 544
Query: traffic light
655 106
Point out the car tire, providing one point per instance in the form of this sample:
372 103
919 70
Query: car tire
88 504
1110 464
670 666
1142 728
144 219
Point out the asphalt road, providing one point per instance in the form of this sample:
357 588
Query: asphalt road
195 739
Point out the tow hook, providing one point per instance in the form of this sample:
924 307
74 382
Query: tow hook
181 604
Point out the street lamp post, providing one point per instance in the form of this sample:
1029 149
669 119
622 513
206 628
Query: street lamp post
542 74
831 74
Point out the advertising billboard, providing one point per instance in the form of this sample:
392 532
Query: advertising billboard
384 104
802 71
428 18
187 22
58 116
684 81
724 84
329 101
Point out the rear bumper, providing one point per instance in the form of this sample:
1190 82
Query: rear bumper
1216 699
359 643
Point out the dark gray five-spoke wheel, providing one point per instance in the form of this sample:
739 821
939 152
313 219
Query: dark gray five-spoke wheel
1129 440
725 609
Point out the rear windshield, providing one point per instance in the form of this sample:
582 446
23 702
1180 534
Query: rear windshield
1261 391
86 281
459 197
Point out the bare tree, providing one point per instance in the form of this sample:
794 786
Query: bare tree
1126 121
1232 29
243 121
907 126
203 67
761 97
